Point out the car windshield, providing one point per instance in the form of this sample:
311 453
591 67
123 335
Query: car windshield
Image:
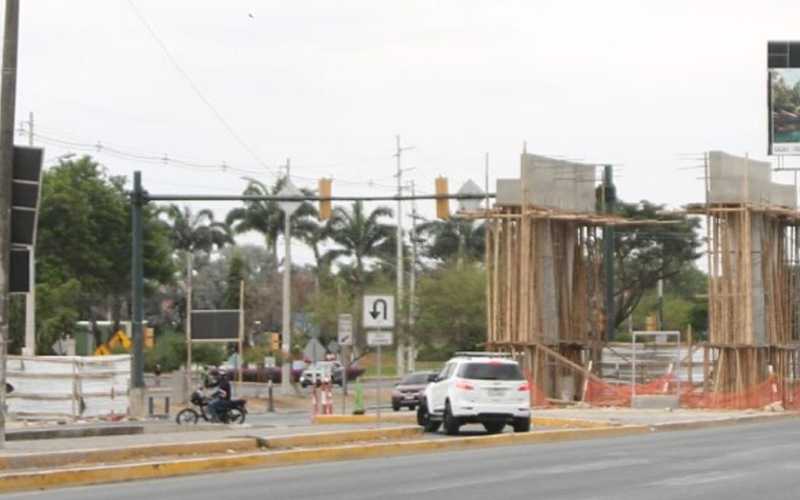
415 379
490 371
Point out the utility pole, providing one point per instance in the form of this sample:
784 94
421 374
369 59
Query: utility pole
609 202
30 298
189 295
399 269
8 94
412 306
286 321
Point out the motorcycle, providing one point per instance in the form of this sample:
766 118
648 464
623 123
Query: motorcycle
232 413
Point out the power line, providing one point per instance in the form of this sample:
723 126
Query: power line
194 87
143 156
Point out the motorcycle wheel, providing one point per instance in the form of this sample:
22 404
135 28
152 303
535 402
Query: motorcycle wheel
186 417
236 416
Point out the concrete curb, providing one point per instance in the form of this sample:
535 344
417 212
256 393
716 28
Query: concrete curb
151 470
404 418
690 425
104 455
570 423
412 418
334 438
233 445
73 432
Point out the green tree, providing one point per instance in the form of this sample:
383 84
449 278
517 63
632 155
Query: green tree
237 272
84 236
452 308
360 236
265 217
191 231
454 238
646 253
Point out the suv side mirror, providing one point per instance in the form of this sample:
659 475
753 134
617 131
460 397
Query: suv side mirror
433 377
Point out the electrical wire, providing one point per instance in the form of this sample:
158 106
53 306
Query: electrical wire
143 156
194 86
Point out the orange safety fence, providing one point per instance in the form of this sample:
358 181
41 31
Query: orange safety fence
757 396
605 394
538 396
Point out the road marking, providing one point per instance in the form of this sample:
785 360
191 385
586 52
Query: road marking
510 476
695 479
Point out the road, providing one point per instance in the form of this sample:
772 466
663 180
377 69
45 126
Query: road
735 463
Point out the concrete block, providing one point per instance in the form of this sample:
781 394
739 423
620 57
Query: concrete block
648 402
734 179
138 402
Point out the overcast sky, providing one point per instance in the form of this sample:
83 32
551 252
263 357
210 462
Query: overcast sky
330 83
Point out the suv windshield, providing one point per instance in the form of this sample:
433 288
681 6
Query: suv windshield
415 379
490 371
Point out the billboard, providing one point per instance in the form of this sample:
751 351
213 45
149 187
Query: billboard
783 91
216 325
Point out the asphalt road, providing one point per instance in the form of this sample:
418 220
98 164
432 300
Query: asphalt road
747 462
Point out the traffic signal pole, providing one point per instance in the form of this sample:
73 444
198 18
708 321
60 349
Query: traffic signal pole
7 108
137 272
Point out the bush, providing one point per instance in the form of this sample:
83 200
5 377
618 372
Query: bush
170 353
254 356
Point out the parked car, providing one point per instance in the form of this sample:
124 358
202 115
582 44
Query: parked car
486 388
408 392
321 371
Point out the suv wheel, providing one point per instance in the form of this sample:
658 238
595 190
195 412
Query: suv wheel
494 427
451 423
522 425
424 420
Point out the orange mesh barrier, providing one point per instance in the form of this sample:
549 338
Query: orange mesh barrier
538 396
603 394
758 396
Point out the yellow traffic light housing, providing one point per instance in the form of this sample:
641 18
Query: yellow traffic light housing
275 342
325 207
442 204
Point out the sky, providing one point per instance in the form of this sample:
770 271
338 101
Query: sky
644 85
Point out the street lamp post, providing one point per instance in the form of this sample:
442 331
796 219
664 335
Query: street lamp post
289 208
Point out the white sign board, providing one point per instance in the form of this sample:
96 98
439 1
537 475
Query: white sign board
345 329
379 311
269 361
375 339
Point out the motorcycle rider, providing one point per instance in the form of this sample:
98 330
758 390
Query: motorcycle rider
222 394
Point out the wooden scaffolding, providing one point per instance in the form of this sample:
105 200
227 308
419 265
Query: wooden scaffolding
544 289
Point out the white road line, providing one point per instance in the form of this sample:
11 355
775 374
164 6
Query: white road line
695 479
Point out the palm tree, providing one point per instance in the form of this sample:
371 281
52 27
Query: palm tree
196 231
360 236
315 234
266 217
454 238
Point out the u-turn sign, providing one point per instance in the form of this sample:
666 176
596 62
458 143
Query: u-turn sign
379 311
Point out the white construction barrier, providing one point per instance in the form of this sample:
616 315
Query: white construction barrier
68 386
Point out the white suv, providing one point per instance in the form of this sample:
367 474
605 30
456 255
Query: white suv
486 388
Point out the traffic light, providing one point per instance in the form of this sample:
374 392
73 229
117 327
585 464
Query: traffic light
324 205
275 342
442 205
652 323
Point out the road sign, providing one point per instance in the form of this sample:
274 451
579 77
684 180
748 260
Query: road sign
269 361
377 339
345 329
379 311
289 189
